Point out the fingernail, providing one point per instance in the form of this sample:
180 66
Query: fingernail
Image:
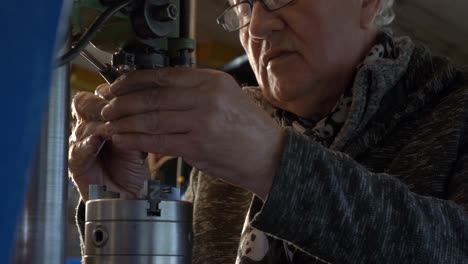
101 90
105 112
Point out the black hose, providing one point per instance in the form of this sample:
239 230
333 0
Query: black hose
90 33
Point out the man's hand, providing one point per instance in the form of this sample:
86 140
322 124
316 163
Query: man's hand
120 170
200 115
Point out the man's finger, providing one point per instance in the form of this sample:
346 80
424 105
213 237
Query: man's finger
88 106
155 99
168 145
153 123
82 155
163 77
86 129
104 92
81 164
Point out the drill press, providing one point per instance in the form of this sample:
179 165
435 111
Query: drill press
157 227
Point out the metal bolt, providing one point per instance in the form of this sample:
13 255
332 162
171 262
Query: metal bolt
100 236
167 12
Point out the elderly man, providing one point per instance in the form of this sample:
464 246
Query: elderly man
354 147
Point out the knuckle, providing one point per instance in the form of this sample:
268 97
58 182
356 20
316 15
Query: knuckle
74 157
78 131
86 105
153 100
152 122
76 104
128 76
81 99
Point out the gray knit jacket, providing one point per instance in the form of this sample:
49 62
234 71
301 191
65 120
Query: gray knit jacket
392 188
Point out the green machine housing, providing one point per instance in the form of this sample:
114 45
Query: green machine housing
146 34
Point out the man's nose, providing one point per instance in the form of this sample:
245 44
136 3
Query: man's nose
264 22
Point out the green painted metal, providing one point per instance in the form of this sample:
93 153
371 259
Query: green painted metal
118 29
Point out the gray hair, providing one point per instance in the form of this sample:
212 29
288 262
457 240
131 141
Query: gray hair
386 14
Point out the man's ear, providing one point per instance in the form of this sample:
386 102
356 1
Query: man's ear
369 11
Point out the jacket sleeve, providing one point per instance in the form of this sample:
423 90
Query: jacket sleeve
346 214
219 213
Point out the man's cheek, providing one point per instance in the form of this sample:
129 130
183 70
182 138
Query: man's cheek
244 37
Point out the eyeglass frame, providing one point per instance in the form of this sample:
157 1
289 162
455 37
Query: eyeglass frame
221 21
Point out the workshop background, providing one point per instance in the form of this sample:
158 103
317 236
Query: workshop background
442 25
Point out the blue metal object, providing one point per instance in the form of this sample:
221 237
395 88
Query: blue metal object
29 38
73 261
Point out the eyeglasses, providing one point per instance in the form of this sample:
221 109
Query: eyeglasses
239 14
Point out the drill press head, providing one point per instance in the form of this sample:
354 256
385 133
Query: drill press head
146 34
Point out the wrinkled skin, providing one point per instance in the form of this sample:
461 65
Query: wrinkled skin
203 117
304 55
120 170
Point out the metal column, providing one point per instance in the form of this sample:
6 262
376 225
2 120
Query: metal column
41 236
29 40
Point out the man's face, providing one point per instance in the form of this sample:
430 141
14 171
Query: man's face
300 52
